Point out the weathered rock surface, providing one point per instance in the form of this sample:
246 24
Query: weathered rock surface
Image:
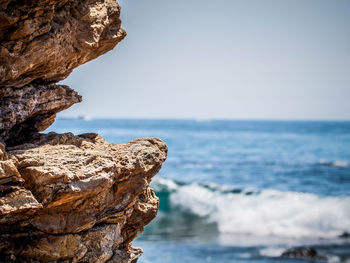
32 108
65 198
76 198
42 41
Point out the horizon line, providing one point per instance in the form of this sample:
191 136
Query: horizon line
89 118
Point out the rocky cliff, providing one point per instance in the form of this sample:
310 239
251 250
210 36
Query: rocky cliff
65 198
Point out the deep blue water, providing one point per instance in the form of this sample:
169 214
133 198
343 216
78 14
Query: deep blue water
242 191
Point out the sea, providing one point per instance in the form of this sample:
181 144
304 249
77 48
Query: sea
241 191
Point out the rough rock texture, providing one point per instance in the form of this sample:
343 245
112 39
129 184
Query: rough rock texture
32 108
76 198
64 198
44 40
41 42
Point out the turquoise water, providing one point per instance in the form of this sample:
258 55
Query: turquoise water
242 191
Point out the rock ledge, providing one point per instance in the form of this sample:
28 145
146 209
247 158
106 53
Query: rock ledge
76 198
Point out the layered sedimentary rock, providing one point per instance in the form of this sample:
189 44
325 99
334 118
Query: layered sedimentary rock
77 198
44 40
32 108
65 198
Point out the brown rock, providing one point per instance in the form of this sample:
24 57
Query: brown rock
44 40
16 200
78 198
65 198
27 110
3 155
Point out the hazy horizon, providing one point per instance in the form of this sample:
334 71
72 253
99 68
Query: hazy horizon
90 117
231 60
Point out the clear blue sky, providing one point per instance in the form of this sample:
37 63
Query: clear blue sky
227 59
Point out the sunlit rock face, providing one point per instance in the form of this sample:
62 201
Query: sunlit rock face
77 198
65 198
44 40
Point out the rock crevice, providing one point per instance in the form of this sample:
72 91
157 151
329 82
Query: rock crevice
32 108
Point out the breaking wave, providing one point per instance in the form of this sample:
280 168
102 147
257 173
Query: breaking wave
257 213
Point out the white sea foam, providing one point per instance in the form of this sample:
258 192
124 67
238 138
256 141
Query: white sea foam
333 259
160 184
340 164
336 163
272 251
268 213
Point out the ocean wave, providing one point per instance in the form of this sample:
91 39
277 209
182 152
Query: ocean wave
257 213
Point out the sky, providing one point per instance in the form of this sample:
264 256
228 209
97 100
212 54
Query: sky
222 59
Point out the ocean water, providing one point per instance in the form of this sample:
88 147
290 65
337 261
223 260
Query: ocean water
242 191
